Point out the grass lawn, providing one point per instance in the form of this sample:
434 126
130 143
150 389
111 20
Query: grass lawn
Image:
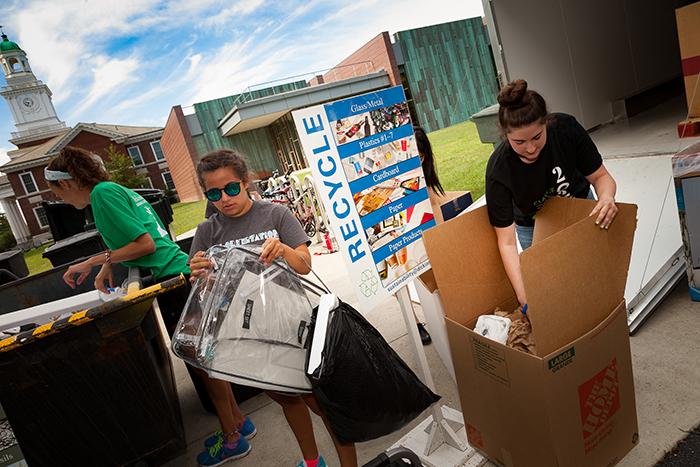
186 216
35 263
461 158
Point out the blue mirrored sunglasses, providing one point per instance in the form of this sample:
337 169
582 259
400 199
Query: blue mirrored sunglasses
231 189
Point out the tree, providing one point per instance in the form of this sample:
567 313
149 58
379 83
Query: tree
121 169
7 240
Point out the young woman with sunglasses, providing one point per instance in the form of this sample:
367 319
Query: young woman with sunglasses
135 237
241 220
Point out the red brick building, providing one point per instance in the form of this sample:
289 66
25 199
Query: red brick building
377 54
25 171
180 150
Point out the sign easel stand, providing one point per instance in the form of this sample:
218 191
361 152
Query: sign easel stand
445 423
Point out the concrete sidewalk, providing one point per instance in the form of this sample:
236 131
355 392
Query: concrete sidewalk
664 352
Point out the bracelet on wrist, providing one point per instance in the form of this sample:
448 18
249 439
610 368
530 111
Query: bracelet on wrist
108 257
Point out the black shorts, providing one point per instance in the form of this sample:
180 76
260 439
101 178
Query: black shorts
172 302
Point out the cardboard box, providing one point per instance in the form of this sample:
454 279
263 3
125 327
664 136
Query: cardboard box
573 404
437 203
688 22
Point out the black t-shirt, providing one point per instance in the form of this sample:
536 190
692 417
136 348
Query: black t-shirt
515 191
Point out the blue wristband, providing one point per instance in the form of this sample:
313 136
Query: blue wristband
524 310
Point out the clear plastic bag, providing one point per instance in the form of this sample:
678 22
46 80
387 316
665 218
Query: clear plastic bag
248 323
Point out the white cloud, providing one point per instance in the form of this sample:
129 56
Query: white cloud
108 76
234 67
240 8
57 36
346 12
179 78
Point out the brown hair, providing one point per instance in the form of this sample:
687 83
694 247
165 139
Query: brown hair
219 159
520 106
87 169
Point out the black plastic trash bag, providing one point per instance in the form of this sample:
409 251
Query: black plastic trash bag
362 385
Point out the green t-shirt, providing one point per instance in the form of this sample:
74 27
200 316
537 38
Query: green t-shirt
122 215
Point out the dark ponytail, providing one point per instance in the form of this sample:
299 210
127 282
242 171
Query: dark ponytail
426 150
520 106
86 169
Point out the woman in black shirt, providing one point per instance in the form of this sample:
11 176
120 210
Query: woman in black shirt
544 155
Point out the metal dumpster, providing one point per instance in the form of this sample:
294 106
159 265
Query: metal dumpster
48 286
94 389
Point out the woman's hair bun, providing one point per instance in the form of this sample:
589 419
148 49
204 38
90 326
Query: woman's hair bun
511 96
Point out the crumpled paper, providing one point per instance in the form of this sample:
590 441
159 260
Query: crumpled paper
520 332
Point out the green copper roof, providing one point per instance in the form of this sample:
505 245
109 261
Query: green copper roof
7 44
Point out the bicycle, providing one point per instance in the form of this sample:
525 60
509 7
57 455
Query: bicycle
303 212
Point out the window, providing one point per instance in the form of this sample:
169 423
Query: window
135 154
15 65
157 150
40 214
28 182
168 181
148 184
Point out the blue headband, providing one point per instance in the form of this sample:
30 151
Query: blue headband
55 175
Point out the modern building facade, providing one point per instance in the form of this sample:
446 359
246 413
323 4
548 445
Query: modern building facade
260 128
447 72
40 135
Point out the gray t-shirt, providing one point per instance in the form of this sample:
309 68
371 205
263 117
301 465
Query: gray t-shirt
264 220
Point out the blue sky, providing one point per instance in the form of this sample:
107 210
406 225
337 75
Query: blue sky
129 61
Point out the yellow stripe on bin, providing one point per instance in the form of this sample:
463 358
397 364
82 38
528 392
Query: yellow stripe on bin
156 288
79 317
43 330
8 343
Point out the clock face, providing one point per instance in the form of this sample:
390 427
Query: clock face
28 104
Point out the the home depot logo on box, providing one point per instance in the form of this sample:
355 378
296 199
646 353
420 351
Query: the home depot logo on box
600 399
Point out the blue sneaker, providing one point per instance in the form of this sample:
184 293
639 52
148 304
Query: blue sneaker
223 452
247 430
321 462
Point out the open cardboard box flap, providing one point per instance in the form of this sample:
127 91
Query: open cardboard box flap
574 273
467 266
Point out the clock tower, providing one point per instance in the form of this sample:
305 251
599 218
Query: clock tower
29 99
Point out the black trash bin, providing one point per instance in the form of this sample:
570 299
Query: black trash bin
160 204
96 390
64 220
69 249
14 262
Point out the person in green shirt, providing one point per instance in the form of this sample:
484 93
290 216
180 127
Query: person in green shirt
135 236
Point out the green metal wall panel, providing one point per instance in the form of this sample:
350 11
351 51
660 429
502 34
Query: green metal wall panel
449 69
255 145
